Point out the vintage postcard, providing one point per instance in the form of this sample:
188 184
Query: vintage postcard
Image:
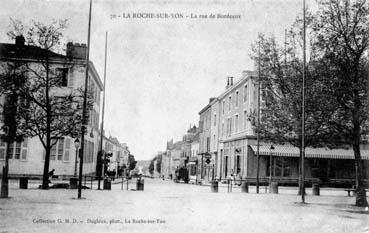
184 116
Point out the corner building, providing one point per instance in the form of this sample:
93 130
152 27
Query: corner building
235 133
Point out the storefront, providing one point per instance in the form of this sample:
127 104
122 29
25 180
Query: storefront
328 166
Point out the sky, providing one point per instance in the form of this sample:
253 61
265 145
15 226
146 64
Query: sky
161 71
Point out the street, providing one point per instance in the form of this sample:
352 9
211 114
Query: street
165 206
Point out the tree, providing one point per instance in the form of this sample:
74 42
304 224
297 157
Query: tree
281 94
342 42
152 167
12 77
131 162
52 111
158 163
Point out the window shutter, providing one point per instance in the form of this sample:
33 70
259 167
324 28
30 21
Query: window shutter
24 154
67 147
24 149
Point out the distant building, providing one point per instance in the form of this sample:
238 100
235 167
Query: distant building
119 152
206 170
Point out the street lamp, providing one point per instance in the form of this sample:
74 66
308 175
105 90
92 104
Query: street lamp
76 144
270 167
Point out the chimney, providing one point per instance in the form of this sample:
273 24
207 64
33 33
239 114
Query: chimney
231 78
76 50
19 40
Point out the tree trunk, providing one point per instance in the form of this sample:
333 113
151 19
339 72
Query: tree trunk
360 189
301 187
45 177
4 179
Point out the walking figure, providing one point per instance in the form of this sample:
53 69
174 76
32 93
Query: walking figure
51 174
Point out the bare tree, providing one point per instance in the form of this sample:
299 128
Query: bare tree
52 111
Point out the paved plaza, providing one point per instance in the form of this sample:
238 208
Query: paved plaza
165 206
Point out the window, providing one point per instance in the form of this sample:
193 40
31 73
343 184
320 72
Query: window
207 144
17 150
60 148
281 167
236 98
11 150
67 148
245 94
53 149
229 126
215 119
229 103
57 150
24 149
238 163
236 124
62 74
214 142
245 120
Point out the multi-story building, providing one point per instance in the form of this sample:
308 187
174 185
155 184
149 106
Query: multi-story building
193 160
205 125
119 153
235 129
27 157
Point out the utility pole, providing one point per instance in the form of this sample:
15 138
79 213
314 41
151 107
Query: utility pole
303 111
258 125
103 113
84 110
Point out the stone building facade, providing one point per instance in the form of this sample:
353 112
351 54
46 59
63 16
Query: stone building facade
27 157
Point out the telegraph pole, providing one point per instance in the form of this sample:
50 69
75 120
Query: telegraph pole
303 111
258 126
103 111
84 110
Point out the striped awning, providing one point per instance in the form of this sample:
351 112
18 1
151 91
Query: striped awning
324 153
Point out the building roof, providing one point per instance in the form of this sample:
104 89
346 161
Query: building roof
30 52
323 153
245 76
26 51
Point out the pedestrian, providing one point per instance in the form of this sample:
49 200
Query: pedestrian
51 174
238 177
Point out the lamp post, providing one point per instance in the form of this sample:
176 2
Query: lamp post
270 167
76 144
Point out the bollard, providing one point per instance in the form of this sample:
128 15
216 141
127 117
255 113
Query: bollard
23 182
244 187
214 186
107 184
140 185
73 182
274 187
316 190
